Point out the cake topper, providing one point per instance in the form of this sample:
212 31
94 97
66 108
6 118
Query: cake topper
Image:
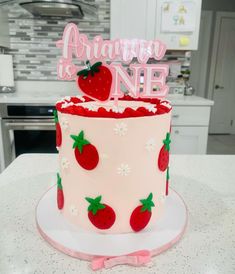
103 73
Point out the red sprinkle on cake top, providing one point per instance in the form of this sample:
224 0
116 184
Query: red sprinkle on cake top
77 106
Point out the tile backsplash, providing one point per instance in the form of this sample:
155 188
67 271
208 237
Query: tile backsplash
33 41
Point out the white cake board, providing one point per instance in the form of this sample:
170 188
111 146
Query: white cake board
79 243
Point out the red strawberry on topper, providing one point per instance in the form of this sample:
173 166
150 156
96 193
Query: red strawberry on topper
58 129
85 153
163 158
141 215
60 193
101 215
95 81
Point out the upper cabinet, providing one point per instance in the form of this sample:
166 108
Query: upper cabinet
133 19
175 22
4 30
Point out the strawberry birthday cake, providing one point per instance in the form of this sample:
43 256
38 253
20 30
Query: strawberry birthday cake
113 145
113 165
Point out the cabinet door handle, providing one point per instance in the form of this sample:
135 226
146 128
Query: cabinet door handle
177 131
175 116
219 87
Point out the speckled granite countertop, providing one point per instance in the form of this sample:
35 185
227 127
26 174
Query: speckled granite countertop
207 184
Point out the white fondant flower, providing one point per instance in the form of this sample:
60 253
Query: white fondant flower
64 163
73 210
120 129
64 124
151 108
150 145
123 170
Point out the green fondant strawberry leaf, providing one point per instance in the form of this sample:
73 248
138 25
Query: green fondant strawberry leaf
83 72
147 204
79 141
95 204
96 65
90 200
167 174
90 69
55 116
167 142
81 135
59 181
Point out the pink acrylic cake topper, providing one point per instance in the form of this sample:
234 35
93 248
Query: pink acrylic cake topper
75 44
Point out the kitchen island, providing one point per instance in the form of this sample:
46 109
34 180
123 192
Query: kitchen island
205 182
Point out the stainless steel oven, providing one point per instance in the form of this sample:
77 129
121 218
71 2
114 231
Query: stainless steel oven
26 129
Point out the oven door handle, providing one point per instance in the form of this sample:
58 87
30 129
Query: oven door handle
30 125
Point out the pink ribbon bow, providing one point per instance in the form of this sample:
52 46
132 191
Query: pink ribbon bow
136 259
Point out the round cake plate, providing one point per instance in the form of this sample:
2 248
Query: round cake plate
107 250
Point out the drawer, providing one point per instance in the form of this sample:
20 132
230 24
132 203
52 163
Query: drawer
190 116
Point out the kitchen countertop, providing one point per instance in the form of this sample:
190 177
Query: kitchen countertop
51 99
189 101
27 98
206 182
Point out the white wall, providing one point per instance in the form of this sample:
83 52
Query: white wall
199 58
214 6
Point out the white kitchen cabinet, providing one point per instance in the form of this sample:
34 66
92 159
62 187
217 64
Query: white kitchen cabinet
4 30
190 115
132 19
189 140
144 19
171 31
190 129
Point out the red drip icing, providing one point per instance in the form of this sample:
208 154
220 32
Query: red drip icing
103 113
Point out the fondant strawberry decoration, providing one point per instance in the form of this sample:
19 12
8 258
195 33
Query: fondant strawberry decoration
167 181
101 215
58 130
163 158
95 81
141 215
85 153
60 193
